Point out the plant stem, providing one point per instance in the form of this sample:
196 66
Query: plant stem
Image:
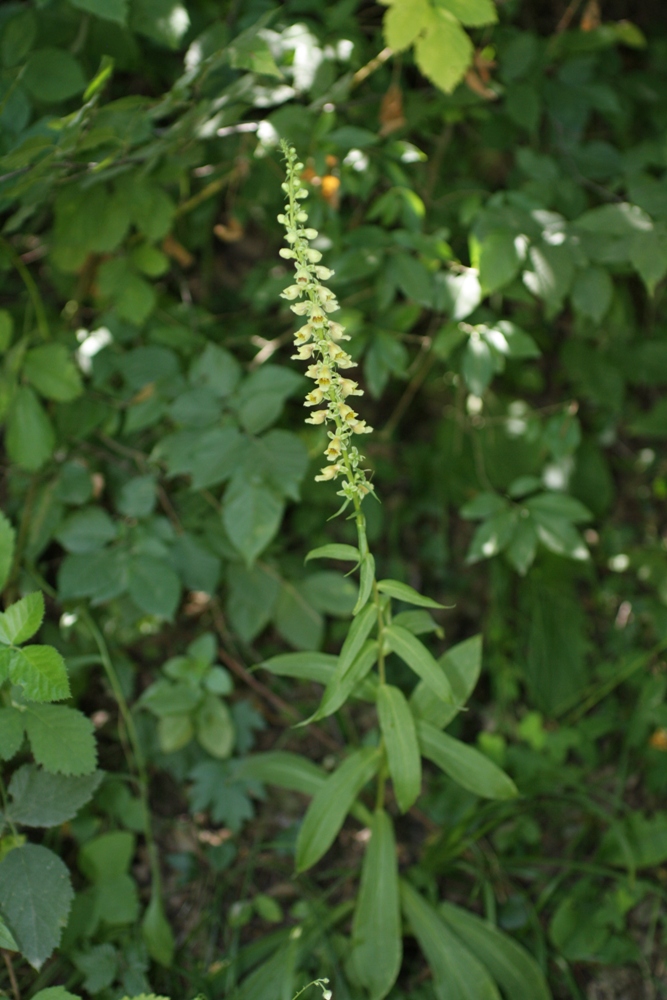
133 736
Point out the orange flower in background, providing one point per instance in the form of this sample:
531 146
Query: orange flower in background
659 740
330 186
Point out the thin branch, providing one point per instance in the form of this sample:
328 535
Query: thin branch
12 975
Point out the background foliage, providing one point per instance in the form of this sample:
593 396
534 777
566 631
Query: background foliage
493 199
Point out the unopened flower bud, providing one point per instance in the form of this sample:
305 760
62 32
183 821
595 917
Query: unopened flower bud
291 292
284 252
310 234
324 273
301 308
314 256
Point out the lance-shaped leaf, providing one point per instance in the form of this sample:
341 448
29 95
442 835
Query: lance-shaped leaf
513 968
345 553
377 938
462 664
7 535
310 666
343 682
400 740
331 805
366 578
457 974
359 632
284 769
417 656
402 592
467 766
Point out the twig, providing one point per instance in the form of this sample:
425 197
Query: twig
566 19
424 366
371 66
12 975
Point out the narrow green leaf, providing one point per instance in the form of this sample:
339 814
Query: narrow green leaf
457 974
377 939
21 620
346 553
514 969
417 656
356 637
331 805
366 578
467 766
402 592
157 933
342 684
310 666
7 536
462 665
7 939
400 740
284 769
35 898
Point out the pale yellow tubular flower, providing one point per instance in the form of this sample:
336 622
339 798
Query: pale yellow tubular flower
318 339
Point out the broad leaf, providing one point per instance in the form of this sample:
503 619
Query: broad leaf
251 514
401 746
35 898
40 670
12 729
465 765
21 620
157 933
444 52
42 799
61 738
417 656
377 940
214 727
52 372
331 804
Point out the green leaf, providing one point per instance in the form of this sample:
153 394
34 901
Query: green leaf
311 666
639 841
522 547
29 438
154 586
330 592
107 856
53 75
282 458
462 665
175 731
55 993
99 965
482 506
492 536
648 256
166 698
377 940
457 974
355 638
137 496
40 670
346 553
116 901
284 769
507 339
417 656
558 535
592 293
331 804
402 592
18 35
620 219
216 369
42 799
251 514
471 13
11 732
444 53
7 940
498 261
552 273
252 598
35 898
418 622
215 728
514 969
61 738
157 933
263 394
296 619
478 365
21 620
559 505
465 765
400 740
52 372
344 681
404 21
109 10
366 579
87 530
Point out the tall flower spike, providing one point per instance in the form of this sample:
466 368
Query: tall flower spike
318 340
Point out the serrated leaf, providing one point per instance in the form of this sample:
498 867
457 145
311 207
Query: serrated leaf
465 765
331 804
40 670
61 738
35 898
444 53
346 553
11 732
21 620
402 592
42 799
377 940
400 741
471 13
514 969
7 537
404 21
457 974
417 656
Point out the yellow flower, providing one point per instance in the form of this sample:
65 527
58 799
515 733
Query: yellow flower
333 449
328 472
314 398
318 417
